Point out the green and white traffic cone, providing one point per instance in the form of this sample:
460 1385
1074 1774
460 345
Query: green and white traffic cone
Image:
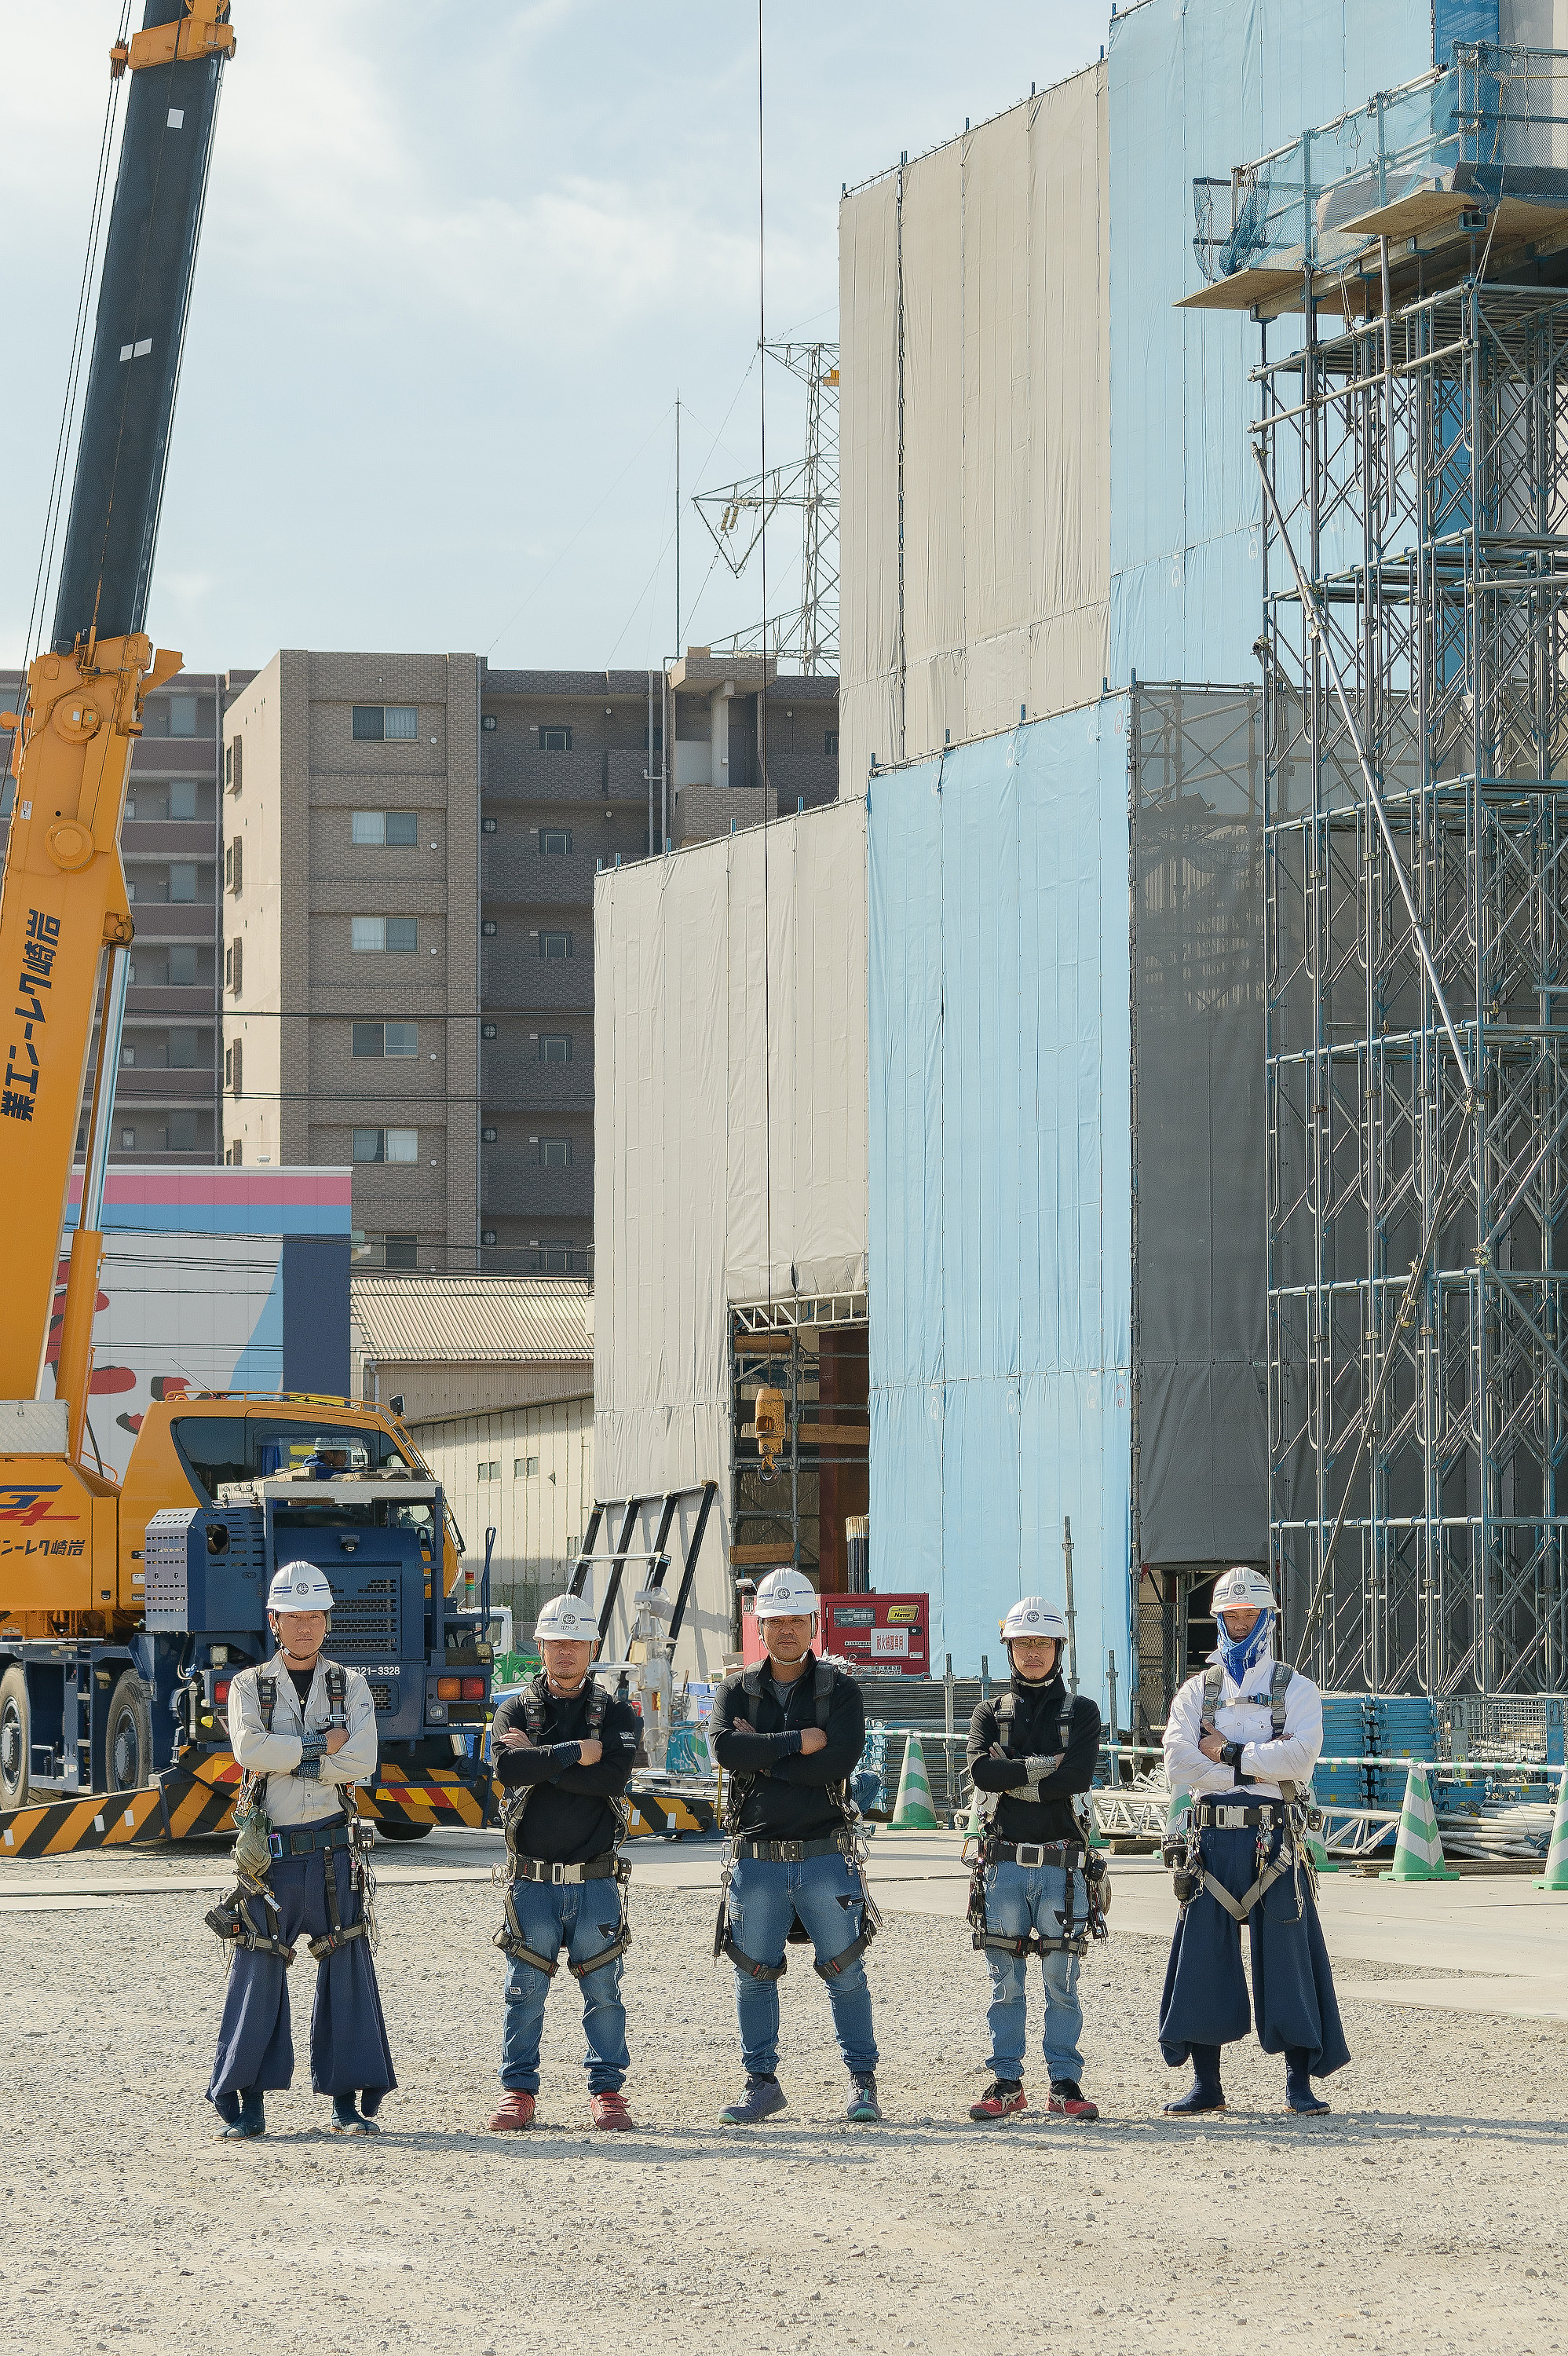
913 1811
1556 1881
1418 1851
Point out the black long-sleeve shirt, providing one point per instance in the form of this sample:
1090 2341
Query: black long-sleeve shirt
789 1797
569 1818
1043 1724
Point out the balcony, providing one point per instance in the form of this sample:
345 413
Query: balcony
173 757
167 1005
510 1188
518 1082
175 920
512 877
165 1084
168 837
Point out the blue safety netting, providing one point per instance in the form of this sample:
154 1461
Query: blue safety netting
1196 87
1000 1182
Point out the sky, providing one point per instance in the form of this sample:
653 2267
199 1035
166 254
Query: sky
457 263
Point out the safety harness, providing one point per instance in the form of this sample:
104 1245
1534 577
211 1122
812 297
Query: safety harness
520 1866
1073 1856
258 1843
1279 1823
848 1842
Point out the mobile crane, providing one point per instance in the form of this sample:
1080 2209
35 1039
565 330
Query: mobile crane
126 1608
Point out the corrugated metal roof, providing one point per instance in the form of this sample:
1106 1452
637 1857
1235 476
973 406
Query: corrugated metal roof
509 1319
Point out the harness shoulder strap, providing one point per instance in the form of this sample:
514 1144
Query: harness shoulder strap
1006 1711
1213 1684
532 1699
752 1682
824 1675
598 1703
1279 1686
267 1696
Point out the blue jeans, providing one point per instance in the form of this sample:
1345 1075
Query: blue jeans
765 1899
1019 1899
582 1917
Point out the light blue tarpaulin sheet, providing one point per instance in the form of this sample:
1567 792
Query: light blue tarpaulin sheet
1196 87
1000 1182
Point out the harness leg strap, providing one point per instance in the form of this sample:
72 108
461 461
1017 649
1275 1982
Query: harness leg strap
1240 1908
841 1961
596 1963
748 1964
510 1940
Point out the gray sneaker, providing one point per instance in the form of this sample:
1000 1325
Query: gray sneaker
761 2098
864 2109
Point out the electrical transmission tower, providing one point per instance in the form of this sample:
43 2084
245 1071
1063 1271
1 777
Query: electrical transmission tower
736 515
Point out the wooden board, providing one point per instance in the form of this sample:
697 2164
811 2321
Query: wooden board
1518 217
1414 216
741 1555
1241 289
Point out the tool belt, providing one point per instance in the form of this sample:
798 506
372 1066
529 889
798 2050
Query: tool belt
509 1937
1069 1854
1183 1853
233 1926
793 1852
1224 1819
542 1869
304 1840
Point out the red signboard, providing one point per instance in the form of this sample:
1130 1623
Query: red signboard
882 1635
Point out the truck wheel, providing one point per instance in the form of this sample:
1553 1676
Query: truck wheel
401 1832
128 1735
15 1736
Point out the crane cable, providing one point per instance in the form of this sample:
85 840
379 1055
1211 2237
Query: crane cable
762 684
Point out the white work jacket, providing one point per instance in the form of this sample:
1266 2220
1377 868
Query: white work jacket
1243 1716
292 1799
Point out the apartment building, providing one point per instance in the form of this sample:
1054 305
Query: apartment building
409 843
350 938
166 1092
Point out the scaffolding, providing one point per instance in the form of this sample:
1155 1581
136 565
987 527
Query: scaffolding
1414 465
737 514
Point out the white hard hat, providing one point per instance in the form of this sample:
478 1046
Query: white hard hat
567 1620
786 1594
299 1587
1032 1615
1242 1589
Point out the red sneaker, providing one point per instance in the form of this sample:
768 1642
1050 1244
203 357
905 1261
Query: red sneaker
517 2111
1002 2099
610 2110
1066 2099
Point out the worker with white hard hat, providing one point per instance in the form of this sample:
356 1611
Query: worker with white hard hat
1037 1887
303 1728
1243 1739
788 1733
564 1749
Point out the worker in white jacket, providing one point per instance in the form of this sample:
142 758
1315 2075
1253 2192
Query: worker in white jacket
303 1728
1243 1739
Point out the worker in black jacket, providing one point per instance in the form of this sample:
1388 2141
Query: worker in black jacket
1030 1751
789 1734
563 1750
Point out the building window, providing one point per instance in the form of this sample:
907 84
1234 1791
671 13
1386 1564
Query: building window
234 765
235 1156
233 966
127 1140
386 1038
233 868
182 798
555 1153
555 740
182 1050
488 928
555 945
386 1145
128 1056
181 965
182 877
399 829
830 742
395 722
487 826
490 1469
488 723
394 936
555 841
402 1251
525 1468
182 1132
486 1030
488 1136
182 715
555 1047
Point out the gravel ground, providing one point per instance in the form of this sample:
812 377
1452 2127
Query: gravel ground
1427 2208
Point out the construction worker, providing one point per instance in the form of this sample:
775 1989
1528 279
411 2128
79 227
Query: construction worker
788 1733
564 1749
1031 1750
303 1730
1242 1737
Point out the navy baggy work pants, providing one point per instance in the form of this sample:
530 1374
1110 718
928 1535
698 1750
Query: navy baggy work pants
1205 2000
349 2049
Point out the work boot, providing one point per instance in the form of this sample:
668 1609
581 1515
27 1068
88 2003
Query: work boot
346 2119
516 2110
864 2110
1003 2099
609 2109
1067 2100
370 2102
1299 2094
252 2118
1205 2094
227 2108
761 2098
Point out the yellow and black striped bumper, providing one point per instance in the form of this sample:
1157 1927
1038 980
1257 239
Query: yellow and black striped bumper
664 1813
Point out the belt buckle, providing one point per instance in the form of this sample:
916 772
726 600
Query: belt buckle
791 1852
557 1874
1030 1853
275 1843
